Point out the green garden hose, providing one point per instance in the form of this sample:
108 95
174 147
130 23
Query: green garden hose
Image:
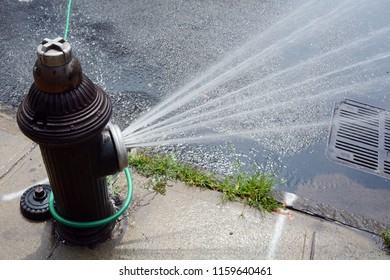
67 20
97 223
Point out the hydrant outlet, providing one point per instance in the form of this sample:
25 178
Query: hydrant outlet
113 154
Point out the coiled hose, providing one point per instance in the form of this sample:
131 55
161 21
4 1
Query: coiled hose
97 223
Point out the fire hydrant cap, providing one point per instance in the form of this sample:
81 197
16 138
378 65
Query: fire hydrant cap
34 203
54 52
119 144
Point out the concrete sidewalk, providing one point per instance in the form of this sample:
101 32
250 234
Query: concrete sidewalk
186 223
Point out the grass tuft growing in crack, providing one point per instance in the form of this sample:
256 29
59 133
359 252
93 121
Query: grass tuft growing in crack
252 189
386 240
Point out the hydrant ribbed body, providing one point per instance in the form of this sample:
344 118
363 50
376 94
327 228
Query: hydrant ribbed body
79 194
67 115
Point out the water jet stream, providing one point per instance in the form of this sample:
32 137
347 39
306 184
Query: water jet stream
355 43
265 87
227 135
132 141
216 117
167 105
224 62
180 118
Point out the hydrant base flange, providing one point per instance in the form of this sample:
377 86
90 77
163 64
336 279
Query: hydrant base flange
84 236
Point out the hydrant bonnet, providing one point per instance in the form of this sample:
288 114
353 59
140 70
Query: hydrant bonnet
63 105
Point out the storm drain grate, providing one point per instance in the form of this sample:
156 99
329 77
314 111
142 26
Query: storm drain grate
360 137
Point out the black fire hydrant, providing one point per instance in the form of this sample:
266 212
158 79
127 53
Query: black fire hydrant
69 117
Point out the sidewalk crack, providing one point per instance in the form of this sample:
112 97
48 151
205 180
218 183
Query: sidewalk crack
20 159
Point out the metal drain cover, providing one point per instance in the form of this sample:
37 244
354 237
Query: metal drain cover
360 137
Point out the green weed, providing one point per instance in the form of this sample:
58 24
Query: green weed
386 240
252 189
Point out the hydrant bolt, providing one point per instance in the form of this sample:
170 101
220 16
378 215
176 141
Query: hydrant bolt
39 193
